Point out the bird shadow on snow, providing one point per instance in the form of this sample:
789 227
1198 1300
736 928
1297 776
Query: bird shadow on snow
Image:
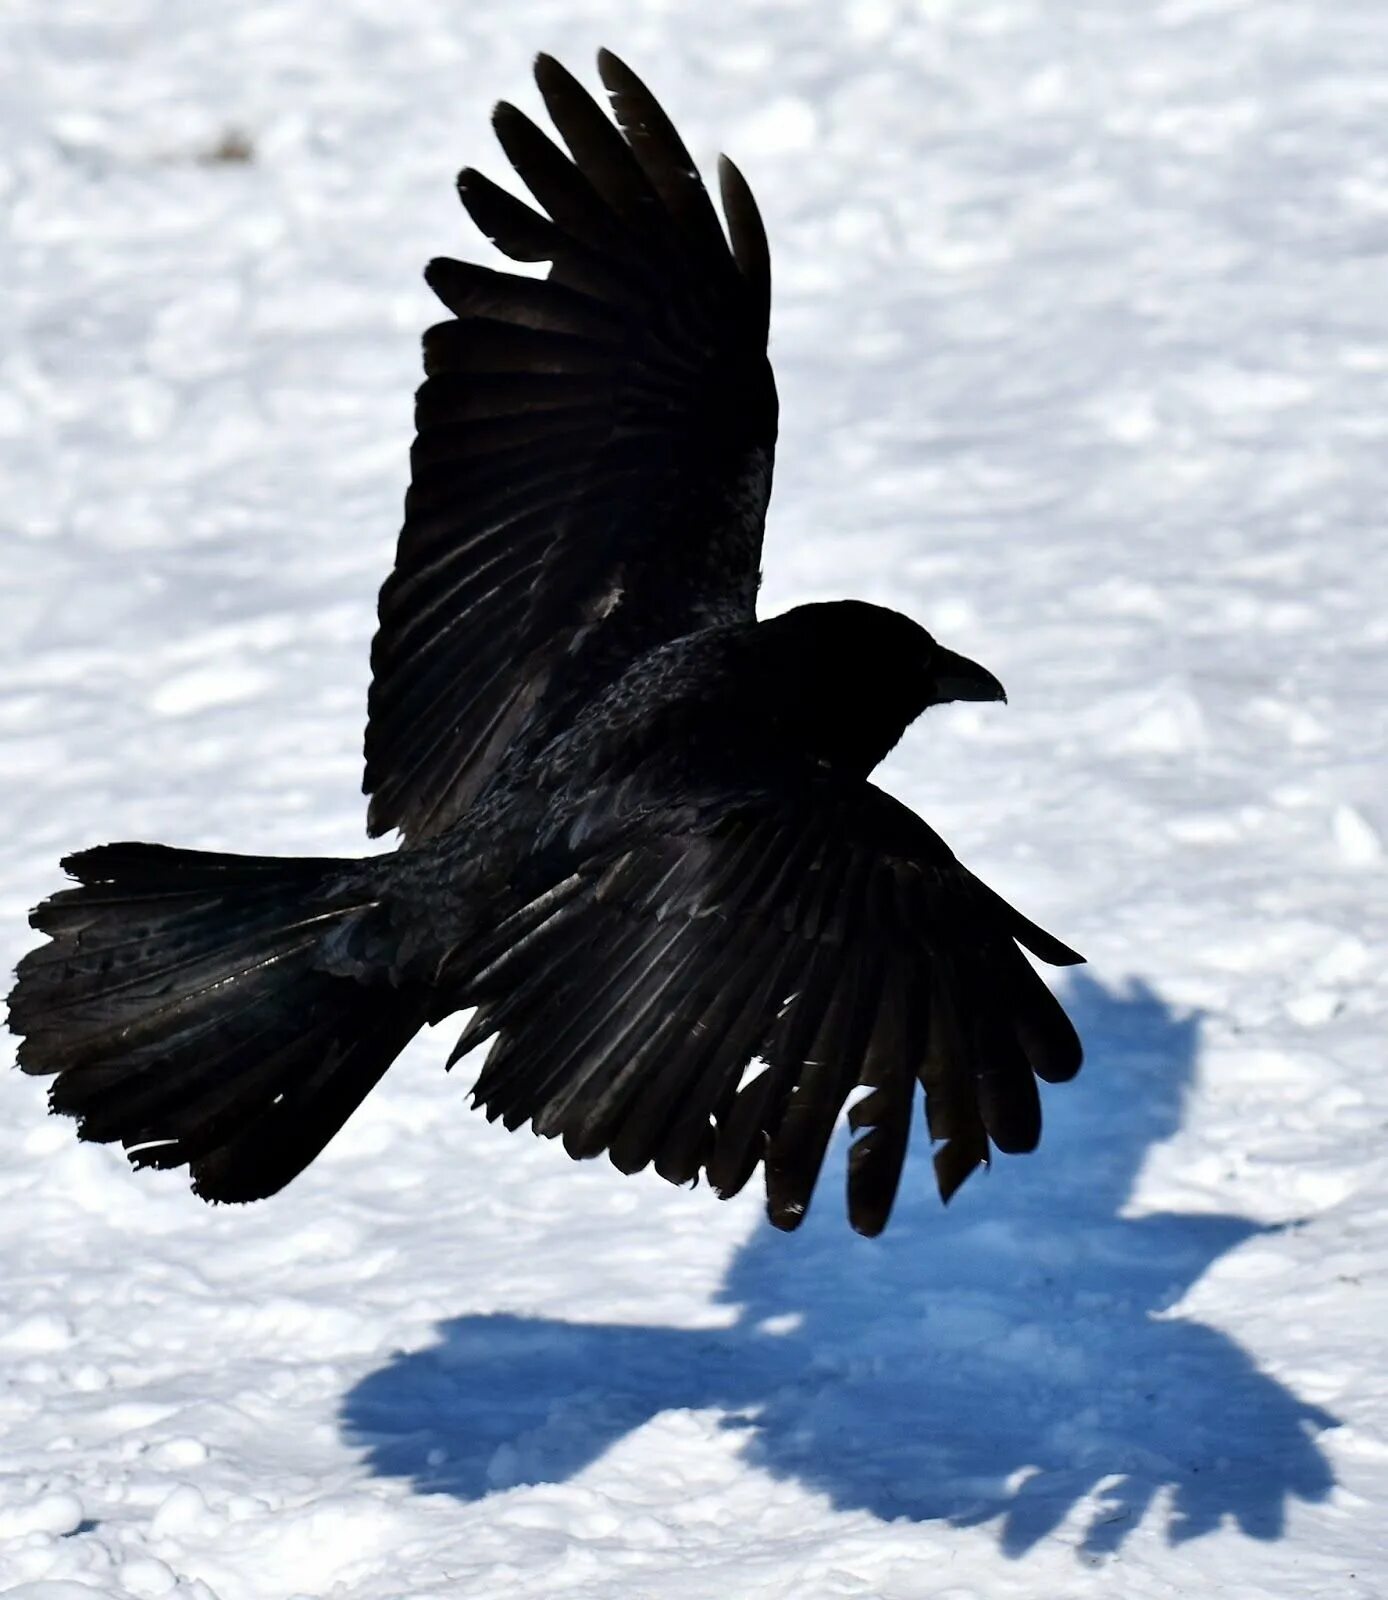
1013 1359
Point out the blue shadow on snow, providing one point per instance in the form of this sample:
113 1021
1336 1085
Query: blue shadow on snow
1011 1358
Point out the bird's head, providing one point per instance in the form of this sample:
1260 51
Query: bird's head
849 678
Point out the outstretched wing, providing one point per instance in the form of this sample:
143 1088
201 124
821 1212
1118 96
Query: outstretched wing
593 457
839 944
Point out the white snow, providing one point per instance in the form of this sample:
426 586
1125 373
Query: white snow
1082 341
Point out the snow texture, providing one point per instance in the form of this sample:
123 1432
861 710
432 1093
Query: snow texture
1083 346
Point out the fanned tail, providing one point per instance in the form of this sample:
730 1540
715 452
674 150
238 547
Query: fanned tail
180 1010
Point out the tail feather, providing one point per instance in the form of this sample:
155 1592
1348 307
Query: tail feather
181 1010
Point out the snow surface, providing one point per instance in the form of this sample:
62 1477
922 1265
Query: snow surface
1080 328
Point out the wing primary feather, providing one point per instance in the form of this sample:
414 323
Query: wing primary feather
1008 1100
876 1159
836 1062
510 224
742 1136
473 291
951 1107
662 154
1043 1030
754 1114
797 1149
558 186
1044 946
883 1117
748 235
599 151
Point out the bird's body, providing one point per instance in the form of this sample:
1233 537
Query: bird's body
638 835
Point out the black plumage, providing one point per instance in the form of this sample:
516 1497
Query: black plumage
638 836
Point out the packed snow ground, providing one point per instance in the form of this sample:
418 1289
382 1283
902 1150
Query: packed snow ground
1083 346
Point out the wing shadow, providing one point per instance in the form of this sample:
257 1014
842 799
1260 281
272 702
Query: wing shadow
1010 1360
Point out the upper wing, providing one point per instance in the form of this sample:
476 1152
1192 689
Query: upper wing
594 450
839 942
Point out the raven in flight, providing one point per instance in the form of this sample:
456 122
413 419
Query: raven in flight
637 833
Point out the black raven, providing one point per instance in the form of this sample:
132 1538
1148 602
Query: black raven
637 832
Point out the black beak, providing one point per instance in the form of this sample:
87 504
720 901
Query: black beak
958 678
